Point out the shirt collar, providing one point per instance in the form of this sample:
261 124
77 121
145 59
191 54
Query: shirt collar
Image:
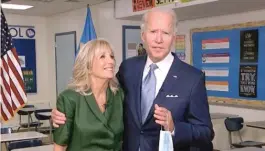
163 65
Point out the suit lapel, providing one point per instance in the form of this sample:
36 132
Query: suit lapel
138 87
91 101
168 83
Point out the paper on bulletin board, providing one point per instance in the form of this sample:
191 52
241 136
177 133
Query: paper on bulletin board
216 71
220 43
217 85
180 48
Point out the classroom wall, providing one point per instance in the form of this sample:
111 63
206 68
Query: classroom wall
43 81
111 29
106 27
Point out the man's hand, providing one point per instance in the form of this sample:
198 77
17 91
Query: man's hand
58 118
164 118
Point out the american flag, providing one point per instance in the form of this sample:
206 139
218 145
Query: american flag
13 94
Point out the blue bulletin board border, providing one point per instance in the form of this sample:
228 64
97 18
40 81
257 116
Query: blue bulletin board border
223 99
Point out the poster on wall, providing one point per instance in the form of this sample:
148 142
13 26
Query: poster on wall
180 47
248 81
249 46
24 41
139 5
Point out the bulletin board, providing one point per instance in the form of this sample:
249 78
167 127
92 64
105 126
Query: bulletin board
232 58
25 44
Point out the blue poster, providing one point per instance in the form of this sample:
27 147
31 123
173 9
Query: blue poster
24 42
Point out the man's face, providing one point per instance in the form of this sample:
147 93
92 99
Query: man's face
158 35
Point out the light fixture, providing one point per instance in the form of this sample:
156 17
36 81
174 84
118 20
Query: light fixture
16 6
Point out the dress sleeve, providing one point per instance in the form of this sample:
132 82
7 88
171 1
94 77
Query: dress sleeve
62 134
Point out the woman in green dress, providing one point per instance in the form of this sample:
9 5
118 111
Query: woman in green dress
92 104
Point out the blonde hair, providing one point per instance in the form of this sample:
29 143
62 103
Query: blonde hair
168 11
83 64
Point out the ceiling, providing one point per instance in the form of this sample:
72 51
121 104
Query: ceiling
217 8
50 7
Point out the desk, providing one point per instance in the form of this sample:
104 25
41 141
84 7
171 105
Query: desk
221 115
247 149
21 136
45 114
30 109
39 148
257 124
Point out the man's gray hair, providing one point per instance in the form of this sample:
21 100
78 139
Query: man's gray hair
169 11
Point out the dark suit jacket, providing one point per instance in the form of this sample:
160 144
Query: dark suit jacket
189 107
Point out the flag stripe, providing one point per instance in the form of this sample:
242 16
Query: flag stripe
6 93
15 61
6 104
15 81
3 114
15 94
13 64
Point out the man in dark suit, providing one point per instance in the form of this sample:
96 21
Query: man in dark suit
162 92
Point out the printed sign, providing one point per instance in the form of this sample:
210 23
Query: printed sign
248 81
249 46
139 5
164 2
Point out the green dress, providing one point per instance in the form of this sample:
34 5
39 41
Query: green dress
86 127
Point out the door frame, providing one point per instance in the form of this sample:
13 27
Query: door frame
61 34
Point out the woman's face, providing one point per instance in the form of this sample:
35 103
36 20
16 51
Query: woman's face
103 64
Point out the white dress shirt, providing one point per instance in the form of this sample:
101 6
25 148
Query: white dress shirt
162 70
160 73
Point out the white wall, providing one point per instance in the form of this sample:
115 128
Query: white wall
106 26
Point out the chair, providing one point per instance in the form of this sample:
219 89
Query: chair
41 117
30 121
6 130
24 144
235 125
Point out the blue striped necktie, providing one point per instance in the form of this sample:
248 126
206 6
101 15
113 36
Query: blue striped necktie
148 92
